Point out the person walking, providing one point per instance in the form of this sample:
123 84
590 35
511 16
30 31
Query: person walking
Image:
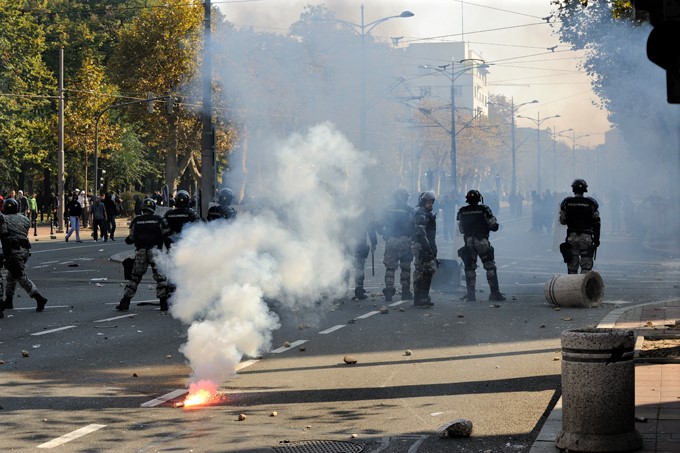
33 210
424 249
99 219
111 212
475 222
147 232
397 229
581 215
73 213
14 237
365 231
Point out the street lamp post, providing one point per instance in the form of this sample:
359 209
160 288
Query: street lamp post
363 29
573 151
453 76
538 121
555 135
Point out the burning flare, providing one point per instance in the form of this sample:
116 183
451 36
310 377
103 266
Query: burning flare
201 393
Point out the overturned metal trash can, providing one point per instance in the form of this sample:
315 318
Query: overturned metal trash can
598 391
575 290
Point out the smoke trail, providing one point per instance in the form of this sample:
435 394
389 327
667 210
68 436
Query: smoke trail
289 248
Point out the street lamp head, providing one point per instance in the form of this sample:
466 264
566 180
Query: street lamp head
406 14
535 101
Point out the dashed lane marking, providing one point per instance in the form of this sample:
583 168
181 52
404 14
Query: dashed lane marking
131 315
165 398
45 332
332 329
46 306
246 364
367 315
288 348
71 436
399 302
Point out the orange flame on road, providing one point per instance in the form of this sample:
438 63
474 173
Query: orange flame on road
201 393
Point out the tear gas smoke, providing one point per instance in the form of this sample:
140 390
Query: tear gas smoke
288 249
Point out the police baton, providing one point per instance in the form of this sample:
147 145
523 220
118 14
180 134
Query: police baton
372 262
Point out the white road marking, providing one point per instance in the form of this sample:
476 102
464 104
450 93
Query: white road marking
332 329
131 315
292 345
46 306
75 271
370 313
165 398
71 436
45 332
399 302
245 364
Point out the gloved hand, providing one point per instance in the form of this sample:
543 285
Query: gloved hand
129 240
428 255
596 243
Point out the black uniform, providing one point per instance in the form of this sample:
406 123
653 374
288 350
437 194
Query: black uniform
425 252
582 217
221 212
147 233
176 218
475 222
360 253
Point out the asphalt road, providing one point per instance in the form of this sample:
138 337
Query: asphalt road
93 375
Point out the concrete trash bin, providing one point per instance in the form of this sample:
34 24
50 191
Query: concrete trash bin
575 290
598 391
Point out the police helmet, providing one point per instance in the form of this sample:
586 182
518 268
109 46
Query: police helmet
10 206
473 197
182 199
579 186
425 197
226 196
149 205
400 195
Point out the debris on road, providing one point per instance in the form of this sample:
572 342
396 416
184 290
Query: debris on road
384 310
25 353
408 352
241 417
349 360
456 429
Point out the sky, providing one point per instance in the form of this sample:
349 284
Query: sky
511 34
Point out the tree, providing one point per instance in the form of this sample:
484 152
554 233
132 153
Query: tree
158 52
25 100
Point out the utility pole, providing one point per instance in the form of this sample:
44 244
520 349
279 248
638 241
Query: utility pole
60 151
207 138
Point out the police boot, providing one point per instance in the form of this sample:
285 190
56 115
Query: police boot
164 304
360 293
470 285
423 299
7 304
40 301
495 292
406 292
124 304
389 292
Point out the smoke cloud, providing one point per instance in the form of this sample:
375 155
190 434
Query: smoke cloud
287 252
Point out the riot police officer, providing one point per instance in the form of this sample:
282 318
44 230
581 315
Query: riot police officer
179 216
424 249
14 236
475 222
366 231
223 210
397 229
582 217
147 233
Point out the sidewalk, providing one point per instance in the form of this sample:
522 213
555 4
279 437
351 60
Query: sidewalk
657 380
43 233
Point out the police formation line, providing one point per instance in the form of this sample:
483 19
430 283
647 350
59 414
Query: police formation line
148 232
409 236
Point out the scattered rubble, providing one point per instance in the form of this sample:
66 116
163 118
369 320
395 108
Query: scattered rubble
408 352
349 360
384 310
456 429
25 353
241 417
